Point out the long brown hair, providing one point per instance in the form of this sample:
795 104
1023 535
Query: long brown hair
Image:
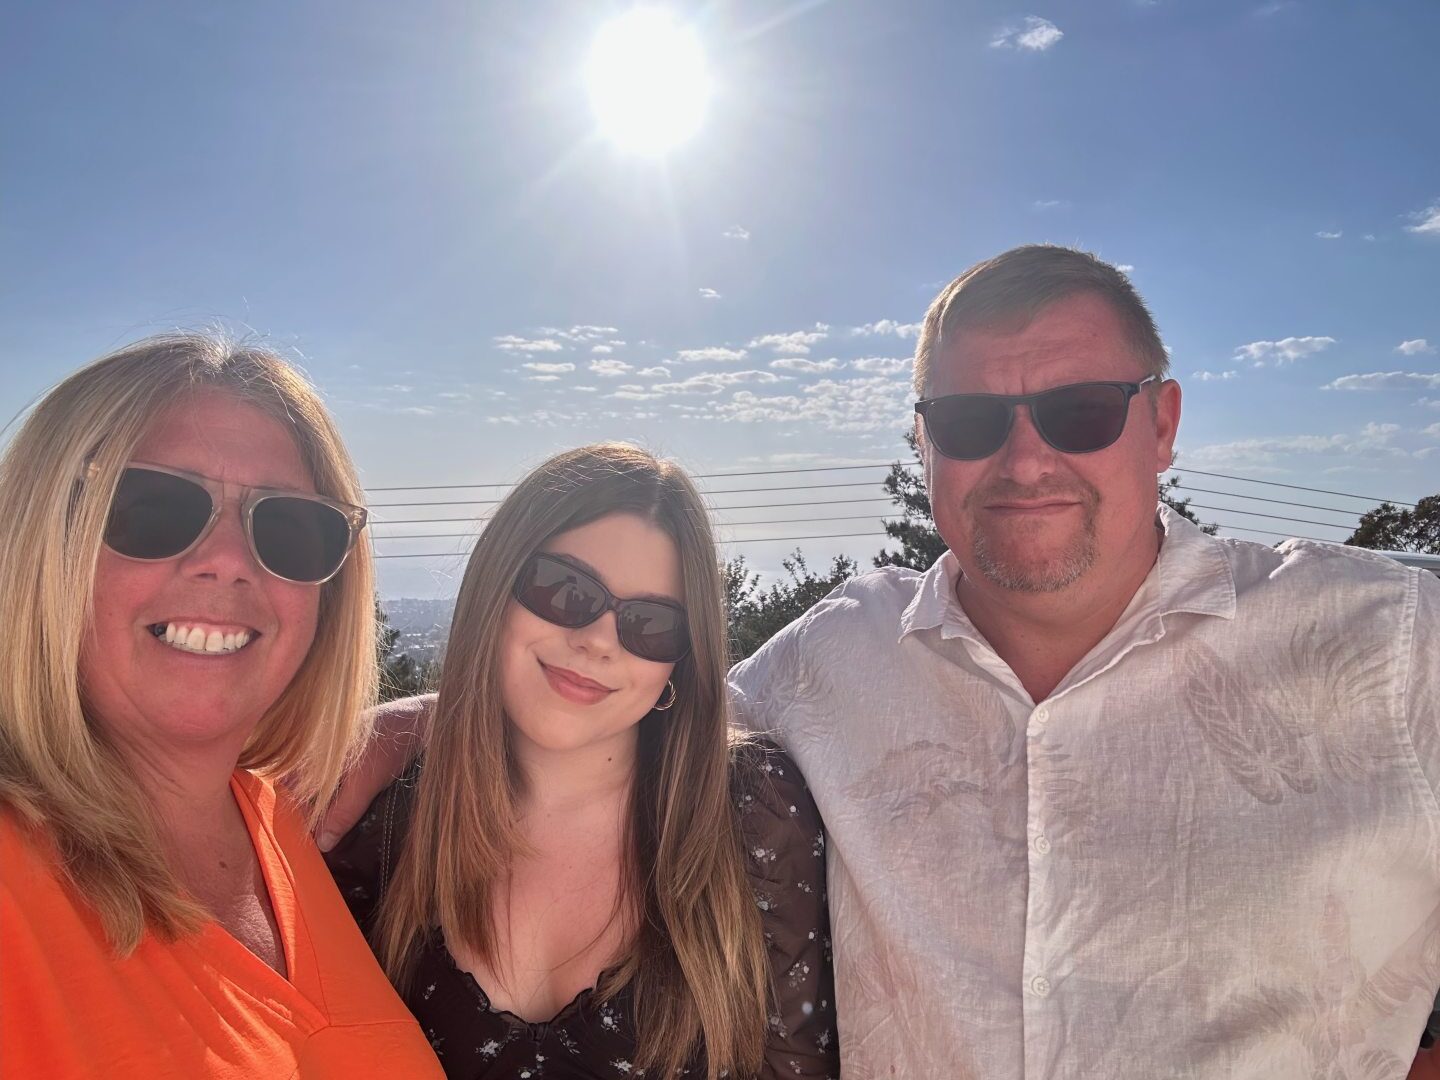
696 957
54 770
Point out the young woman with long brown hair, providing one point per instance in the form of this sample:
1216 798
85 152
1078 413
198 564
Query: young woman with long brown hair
589 874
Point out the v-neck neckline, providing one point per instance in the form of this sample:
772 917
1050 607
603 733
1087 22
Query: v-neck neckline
295 992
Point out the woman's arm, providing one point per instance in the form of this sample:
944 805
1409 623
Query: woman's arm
785 852
401 728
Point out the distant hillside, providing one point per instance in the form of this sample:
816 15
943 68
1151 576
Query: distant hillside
423 624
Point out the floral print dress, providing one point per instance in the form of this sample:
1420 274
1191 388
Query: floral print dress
591 1039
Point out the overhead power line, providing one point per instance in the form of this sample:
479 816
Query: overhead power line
1292 487
757 540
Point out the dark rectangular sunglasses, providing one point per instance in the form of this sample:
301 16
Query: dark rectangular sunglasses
1076 419
563 594
161 513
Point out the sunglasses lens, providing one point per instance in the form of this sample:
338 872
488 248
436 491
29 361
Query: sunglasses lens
1082 418
654 631
558 593
967 426
155 515
300 539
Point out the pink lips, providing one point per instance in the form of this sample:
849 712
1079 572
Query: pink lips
573 686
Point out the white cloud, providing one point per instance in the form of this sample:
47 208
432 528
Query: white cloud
806 367
1125 268
1429 403
586 389
542 378
633 393
736 232
1285 351
714 382
711 354
656 372
1050 204
1433 431
511 343
1386 380
580 333
1323 235
1215 376
610 369
1033 35
601 350
1415 347
881 365
797 341
850 406
709 294
1427 221
550 369
1372 442
1370 236
888 326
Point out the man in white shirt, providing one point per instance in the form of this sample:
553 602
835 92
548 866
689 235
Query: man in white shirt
1108 797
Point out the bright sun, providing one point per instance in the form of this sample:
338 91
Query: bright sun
647 80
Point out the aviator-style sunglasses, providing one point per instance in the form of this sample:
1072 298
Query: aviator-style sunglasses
161 513
563 594
1076 419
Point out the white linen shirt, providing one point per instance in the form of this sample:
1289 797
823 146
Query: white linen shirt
1211 852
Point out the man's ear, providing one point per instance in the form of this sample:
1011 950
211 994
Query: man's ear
1167 423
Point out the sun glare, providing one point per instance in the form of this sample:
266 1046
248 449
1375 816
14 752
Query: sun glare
647 80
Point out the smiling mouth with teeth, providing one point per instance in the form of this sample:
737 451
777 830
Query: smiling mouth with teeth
198 639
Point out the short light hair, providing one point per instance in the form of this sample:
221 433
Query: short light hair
1017 285
57 480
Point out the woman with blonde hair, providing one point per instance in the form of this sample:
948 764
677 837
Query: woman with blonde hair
190 616
589 875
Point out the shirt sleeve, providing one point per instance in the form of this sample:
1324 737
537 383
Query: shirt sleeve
1422 688
785 859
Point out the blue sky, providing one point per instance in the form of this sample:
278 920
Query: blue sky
413 198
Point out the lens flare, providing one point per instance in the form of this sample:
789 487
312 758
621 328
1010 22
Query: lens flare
648 81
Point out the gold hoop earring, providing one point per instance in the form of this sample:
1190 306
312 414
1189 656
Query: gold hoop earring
671 686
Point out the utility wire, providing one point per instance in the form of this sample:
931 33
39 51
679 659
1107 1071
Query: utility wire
720 524
693 476
723 491
722 509
758 540
908 464
1292 487
1267 499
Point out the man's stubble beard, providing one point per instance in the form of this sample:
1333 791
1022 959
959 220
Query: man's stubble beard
997 561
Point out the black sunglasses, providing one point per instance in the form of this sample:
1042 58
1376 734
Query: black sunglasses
567 596
160 513
1076 419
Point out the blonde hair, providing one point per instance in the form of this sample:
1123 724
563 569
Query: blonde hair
696 957
56 768
1017 285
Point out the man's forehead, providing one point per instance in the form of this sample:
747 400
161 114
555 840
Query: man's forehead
1074 339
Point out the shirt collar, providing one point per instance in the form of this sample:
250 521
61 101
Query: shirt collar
1192 573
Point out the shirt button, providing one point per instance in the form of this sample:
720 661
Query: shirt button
1042 845
1041 985
1042 714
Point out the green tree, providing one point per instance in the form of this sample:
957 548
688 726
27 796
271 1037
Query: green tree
1393 528
920 542
401 675
755 614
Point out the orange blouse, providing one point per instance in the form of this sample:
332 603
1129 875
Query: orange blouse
203 1007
